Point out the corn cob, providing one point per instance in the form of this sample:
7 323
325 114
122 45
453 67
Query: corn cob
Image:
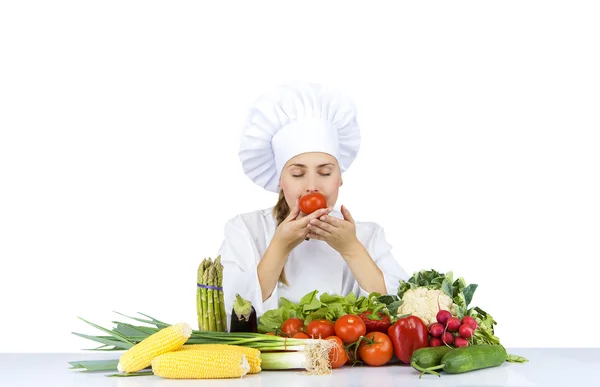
195 364
165 340
252 354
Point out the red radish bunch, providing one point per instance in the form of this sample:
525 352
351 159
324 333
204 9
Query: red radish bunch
449 330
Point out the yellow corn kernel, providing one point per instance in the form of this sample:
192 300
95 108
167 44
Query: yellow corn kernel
252 354
200 364
165 340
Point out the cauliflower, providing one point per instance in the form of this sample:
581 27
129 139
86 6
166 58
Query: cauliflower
423 302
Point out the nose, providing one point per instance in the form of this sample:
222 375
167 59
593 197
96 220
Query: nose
311 184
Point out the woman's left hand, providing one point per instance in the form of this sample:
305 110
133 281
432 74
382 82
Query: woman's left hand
340 234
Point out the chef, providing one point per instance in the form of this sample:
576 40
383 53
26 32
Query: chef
298 140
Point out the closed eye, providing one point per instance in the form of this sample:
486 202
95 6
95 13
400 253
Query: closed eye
322 174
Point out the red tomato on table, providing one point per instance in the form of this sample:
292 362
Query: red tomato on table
320 328
350 328
337 354
377 350
291 326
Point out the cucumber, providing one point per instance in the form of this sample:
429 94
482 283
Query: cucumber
469 358
473 357
428 356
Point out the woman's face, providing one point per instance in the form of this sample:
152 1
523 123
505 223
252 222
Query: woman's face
311 172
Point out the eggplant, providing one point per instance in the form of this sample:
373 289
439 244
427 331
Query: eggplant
243 317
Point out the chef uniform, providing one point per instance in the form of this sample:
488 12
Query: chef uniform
293 119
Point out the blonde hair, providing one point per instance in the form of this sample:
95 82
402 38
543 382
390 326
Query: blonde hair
280 212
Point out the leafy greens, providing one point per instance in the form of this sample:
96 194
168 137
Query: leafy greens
311 307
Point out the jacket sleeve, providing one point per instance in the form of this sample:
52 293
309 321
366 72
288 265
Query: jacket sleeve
381 252
240 258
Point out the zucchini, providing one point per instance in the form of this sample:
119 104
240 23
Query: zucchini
469 358
428 356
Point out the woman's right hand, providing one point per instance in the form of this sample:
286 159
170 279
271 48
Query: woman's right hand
294 229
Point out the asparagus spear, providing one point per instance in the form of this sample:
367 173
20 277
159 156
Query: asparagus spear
206 264
199 297
217 303
216 309
212 326
221 297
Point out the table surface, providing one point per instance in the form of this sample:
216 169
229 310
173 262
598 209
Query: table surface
546 367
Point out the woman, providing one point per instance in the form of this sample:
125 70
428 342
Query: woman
298 140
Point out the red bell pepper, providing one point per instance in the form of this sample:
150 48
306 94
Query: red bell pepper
408 334
377 322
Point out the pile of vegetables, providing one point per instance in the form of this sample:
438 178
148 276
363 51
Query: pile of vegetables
430 309
429 325
356 339
429 291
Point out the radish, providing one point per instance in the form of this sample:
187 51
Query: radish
453 324
443 316
447 338
465 331
436 330
435 342
470 321
460 342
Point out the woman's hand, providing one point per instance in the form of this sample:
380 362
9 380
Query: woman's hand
293 230
340 234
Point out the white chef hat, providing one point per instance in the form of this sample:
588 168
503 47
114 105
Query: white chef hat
296 118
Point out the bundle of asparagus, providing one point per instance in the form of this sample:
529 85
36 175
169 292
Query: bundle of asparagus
210 302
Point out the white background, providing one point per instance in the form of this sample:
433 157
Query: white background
120 125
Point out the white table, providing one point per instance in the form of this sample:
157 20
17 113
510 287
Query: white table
546 367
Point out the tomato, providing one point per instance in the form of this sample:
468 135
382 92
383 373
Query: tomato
320 328
300 335
292 325
376 349
337 355
312 202
350 328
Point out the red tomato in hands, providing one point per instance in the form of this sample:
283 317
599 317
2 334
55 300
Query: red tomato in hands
350 328
320 328
376 349
291 326
312 202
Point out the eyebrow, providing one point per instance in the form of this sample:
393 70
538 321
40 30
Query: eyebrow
304 166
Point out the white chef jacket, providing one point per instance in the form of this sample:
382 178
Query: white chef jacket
312 265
